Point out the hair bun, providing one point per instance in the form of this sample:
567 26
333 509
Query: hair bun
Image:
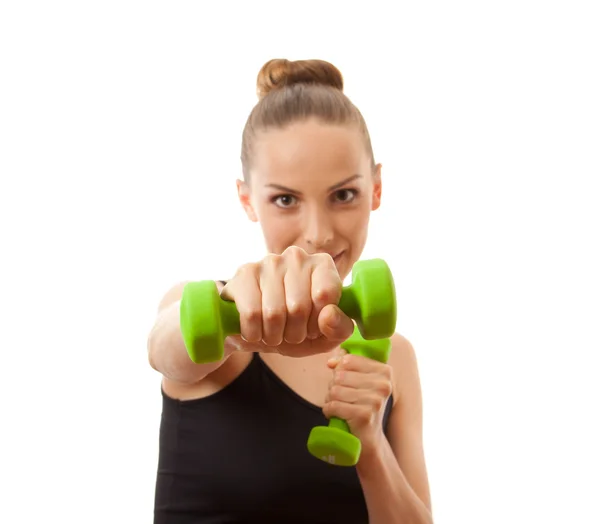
279 73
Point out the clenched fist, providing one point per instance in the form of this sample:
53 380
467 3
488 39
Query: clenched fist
288 304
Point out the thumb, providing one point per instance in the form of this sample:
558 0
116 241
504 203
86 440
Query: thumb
335 324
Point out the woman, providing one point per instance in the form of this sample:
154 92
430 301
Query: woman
233 433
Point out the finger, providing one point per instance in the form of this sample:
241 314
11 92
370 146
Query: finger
273 301
355 414
326 288
309 347
334 324
336 357
355 379
352 362
235 343
345 394
298 302
245 292
375 384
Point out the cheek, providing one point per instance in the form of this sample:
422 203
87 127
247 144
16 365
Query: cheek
356 223
278 232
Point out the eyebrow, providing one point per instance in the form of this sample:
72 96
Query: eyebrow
331 188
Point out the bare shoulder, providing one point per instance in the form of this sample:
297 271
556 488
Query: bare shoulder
172 295
403 361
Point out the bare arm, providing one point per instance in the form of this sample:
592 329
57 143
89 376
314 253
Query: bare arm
167 353
394 477
389 496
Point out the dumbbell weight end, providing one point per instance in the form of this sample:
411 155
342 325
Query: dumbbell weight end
206 320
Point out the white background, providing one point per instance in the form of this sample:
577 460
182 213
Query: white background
120 129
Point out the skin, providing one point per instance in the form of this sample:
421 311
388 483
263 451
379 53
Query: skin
312 188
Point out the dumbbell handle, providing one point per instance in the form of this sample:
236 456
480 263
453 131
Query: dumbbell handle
378 350
335 443
230 315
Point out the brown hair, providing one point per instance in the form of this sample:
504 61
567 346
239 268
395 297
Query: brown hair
291 91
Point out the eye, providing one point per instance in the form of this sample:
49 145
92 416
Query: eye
345 195
284 200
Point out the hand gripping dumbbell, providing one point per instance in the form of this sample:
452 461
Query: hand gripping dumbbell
335 443
206 319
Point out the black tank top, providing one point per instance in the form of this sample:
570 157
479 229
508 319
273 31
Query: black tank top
239 456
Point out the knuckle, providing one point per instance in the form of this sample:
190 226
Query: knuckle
378 403
335 391
338 377
324 259
299 309
385 388
295 253
274 313
249 315
327 292
346 362
364 417
272 261
247 269
388 372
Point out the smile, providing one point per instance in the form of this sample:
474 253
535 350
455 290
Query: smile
337 257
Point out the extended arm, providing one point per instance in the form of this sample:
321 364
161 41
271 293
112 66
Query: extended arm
167 353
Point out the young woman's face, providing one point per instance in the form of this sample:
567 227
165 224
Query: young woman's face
313 186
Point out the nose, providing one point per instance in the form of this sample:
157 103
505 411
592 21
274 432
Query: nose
318 232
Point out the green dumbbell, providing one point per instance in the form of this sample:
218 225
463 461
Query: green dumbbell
335 443
206 319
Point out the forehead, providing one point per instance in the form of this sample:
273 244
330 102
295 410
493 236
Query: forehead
309 152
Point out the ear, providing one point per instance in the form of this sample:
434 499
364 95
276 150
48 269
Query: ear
245 200
376 200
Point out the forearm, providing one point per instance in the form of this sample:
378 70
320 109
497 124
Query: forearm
167 353
388 495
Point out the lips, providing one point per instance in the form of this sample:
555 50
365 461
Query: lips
337 257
